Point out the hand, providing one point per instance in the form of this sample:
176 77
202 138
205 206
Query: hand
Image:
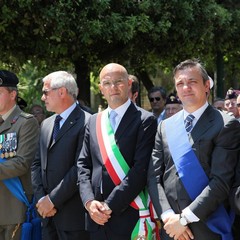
175 230
45 207
98 212
51 213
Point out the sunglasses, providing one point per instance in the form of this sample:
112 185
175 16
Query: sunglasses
156 98
238 104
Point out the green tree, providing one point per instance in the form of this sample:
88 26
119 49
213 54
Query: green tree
143 35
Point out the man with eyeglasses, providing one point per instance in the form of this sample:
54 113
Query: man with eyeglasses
157 97
230 102
54 170
112 166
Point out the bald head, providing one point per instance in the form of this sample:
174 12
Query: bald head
115 84
113 68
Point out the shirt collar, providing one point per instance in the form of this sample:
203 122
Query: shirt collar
197 114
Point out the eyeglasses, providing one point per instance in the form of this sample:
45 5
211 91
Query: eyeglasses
238 104
156 98
115 83
46 91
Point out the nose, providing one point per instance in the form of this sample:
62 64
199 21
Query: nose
43 98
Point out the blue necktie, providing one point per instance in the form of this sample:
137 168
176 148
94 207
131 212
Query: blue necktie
112 118
56 127
188 123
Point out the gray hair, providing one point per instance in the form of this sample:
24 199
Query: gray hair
63 79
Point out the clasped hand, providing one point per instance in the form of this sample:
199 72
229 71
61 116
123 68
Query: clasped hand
45 207
175 230
98 211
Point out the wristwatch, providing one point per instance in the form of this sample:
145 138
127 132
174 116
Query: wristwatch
183 221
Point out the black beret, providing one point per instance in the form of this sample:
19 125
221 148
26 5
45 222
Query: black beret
172 98
8 79
231 94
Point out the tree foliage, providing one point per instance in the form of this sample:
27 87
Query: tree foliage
143 35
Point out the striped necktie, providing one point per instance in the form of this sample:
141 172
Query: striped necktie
188 123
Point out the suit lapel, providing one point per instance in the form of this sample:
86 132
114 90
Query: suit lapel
203 124
127 119
68 124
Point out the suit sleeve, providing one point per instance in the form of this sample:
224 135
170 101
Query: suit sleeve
85 169
223 162
155 175
235 191
36 176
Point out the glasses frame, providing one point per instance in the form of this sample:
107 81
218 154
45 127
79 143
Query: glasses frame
45 92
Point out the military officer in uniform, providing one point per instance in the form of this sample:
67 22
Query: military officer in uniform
18 142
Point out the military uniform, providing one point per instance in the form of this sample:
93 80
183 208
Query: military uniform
18 142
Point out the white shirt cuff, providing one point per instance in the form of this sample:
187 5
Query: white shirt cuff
166 214
189 215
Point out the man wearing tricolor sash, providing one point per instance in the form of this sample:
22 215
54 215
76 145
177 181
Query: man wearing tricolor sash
113 163
192 166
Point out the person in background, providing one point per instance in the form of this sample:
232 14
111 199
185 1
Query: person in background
219 104
18 143
231 102
112 166
54 169
157 97
38 112
238 106
193 161
173 105
133 93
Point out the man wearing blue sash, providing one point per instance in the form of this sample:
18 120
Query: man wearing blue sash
192 165
18 143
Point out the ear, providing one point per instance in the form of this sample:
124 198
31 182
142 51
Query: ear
100 88
207 85
13 95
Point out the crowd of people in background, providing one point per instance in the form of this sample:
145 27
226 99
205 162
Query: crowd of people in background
171 172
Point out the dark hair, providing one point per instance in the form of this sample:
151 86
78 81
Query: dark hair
135 84
158 89
190 63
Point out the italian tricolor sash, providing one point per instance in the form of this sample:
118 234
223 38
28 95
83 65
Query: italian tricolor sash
118 168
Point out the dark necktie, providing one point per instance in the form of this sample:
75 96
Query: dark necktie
188 123
56 126
112 119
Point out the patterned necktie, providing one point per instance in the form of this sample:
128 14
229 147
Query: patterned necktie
188 123
112 118
56 126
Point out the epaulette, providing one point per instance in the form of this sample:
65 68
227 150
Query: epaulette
26 115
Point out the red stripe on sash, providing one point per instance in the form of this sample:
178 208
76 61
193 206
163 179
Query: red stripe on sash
103 152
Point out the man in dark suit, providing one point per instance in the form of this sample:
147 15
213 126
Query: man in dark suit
193 161
54 170
18 143
114 160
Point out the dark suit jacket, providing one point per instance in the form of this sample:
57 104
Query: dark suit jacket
135 138
12 211
215 141
54 170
